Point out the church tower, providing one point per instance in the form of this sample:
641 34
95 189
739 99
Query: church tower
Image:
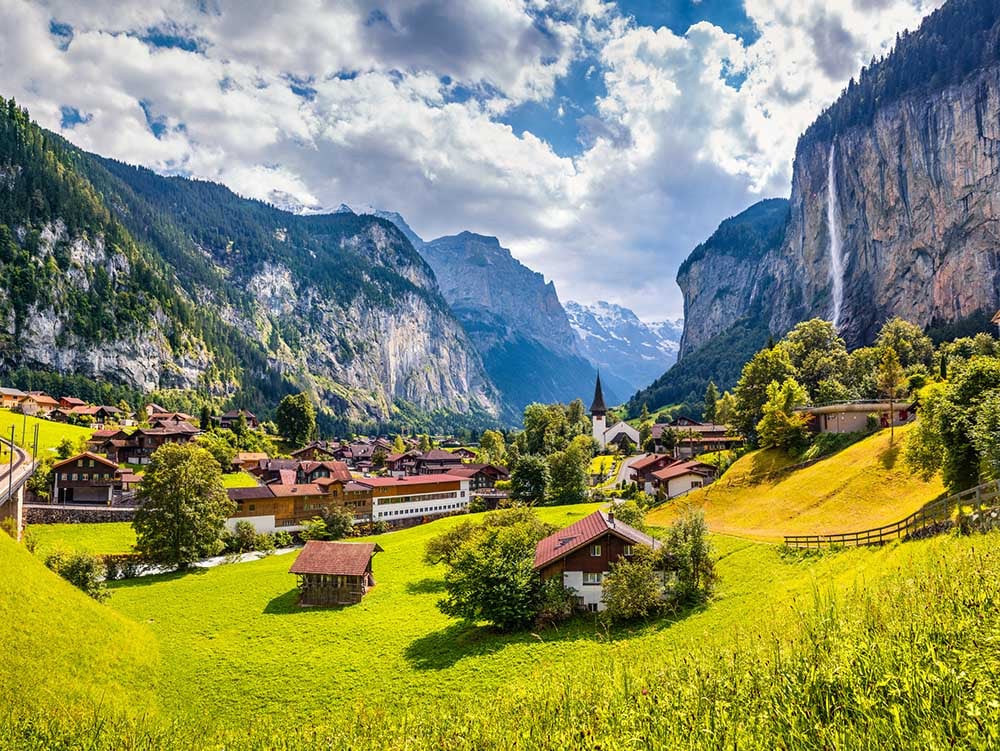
598 413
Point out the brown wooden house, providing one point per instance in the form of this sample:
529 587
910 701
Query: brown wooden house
334 573
581 555
85 478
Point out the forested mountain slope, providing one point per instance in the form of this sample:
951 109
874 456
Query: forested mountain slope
119 273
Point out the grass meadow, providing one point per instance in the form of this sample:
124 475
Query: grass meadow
96 539
865 485
891 647
49 433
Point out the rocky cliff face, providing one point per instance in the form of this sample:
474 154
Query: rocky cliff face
511 315
911 199
629 352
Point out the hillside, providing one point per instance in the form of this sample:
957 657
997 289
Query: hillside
251 667
114 272
865 485
65 651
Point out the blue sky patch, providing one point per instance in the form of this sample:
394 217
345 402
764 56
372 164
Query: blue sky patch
156 124
71 117
163 39
680 15
63 32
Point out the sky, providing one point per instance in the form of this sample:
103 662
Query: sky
599 140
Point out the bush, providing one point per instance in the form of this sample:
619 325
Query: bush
687 555
555 603
82 570
242 539
872 423
633 589
264 543
283 539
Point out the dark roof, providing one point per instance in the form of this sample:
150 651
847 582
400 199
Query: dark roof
439 455
235 414
649 460
597 406
683 468
250 494
576 535
86 455
345 558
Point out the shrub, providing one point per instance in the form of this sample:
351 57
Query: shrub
872 423
555 603
242 539
264 543
82 570
687 554
633 589
283 539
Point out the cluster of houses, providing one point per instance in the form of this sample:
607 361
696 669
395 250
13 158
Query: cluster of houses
63 409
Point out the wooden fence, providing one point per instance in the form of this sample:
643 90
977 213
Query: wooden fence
935 516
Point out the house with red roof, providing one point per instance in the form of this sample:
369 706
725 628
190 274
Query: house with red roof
334 573
680 477
581 554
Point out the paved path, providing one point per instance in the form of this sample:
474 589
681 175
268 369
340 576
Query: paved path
626 463
218 560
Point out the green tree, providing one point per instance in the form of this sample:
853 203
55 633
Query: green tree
781 426
725 409
630 513
687 555
632 589
220 449
65 448
568 471
708 413
890 383
986 436
908 341
183 506
205 421
296 418
767 366
492 578
398 446
425 443
492 447
334 523
817 353
529 479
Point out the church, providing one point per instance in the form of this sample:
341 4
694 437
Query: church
617 434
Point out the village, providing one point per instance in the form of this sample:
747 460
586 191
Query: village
382 488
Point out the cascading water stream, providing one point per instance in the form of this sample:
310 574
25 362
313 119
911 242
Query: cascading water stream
836 252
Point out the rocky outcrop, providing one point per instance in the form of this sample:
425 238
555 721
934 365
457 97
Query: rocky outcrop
916 201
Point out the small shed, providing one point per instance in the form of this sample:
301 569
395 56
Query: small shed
334 573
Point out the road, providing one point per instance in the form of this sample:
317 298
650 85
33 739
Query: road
626 463
13 477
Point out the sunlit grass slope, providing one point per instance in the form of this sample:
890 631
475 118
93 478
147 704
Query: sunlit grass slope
64 651
96 539
49 433
865 485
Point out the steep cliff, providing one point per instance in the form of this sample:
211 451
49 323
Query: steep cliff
512 316
167 282
894 201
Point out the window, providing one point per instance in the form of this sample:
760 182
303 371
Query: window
252 507
591 578
592 607
628 550
595 551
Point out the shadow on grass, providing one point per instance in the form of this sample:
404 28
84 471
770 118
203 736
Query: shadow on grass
142 581
442 649
891 455
286 603
425 586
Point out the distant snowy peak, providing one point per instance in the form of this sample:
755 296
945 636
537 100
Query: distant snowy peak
620 344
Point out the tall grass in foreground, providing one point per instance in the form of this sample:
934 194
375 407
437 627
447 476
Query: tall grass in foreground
909 662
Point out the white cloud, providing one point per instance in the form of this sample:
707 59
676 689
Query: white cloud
694 126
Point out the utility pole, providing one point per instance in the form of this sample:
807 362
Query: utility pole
10 470
24 428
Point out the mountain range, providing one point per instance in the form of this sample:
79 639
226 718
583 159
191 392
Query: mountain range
892 213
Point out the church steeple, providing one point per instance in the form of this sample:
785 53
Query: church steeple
597 409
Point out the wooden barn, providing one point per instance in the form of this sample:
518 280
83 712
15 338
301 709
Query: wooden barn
334 573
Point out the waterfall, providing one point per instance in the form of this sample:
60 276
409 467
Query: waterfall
833 226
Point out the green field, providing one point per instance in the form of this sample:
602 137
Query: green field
239 480
890 647
96 539
865 485
49 433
